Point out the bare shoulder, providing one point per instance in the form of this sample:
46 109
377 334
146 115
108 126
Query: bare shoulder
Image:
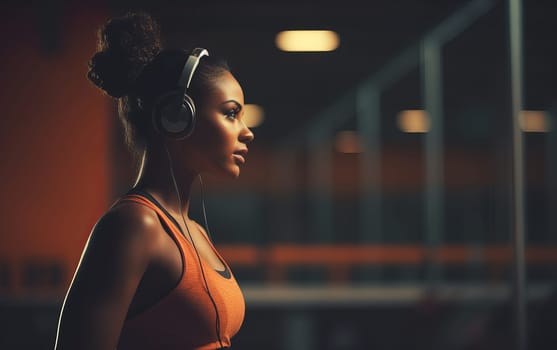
117 254
126 225
120 247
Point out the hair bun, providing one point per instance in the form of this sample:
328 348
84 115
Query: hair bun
125 46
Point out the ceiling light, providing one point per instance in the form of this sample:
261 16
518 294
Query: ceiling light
253 115
534 121
413 121
307 40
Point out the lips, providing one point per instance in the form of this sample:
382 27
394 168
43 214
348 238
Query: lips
240 155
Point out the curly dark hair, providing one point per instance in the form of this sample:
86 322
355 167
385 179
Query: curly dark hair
125 46
131 66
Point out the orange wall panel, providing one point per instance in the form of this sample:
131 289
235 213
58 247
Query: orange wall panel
54 139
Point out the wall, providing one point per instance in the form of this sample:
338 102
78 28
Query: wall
54 143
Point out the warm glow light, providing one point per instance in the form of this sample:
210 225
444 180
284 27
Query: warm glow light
534 121
253 115
307 40
348 142
413 121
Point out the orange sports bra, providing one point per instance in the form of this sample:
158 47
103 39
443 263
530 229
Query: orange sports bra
185 318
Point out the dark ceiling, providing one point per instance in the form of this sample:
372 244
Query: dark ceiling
294 87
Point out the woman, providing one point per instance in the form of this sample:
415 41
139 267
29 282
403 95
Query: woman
149 277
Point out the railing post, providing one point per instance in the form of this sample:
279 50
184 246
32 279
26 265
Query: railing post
433 101
320 184
518 194
368 126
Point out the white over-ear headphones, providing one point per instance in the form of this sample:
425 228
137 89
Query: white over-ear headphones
174 112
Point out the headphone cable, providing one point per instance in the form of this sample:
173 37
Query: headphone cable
217 318
203 207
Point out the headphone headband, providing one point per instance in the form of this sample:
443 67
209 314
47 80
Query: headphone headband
190 67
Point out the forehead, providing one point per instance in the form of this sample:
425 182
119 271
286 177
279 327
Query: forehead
226 87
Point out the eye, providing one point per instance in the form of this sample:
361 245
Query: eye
232 113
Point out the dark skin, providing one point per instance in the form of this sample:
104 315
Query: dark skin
130 261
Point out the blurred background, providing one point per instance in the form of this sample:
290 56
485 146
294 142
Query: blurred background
376 207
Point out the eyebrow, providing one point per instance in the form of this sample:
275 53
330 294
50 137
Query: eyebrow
233 101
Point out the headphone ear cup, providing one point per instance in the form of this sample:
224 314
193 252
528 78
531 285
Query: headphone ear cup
172 117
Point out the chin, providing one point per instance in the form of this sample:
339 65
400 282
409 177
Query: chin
232 172
235 173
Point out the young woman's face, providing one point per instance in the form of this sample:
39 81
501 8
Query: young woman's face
219 142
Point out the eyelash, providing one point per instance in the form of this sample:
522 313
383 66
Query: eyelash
232 114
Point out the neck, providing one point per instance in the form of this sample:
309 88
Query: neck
155 176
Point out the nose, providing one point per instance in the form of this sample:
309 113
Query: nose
246 135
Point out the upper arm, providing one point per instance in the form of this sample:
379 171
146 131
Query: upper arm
113 262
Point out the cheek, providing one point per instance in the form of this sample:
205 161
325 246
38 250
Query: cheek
212 139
